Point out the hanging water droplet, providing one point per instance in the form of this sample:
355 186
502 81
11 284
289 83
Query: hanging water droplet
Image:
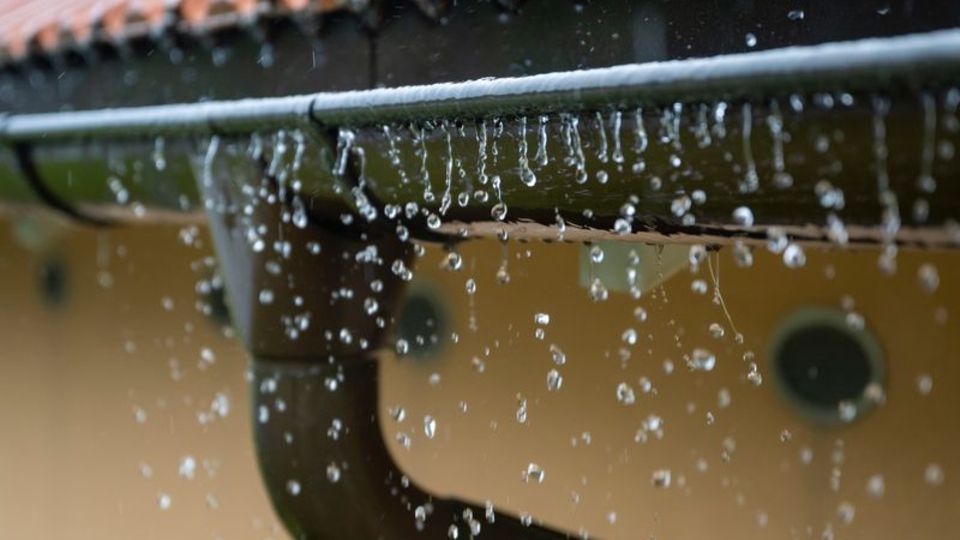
596 254
452 262
499 211
743 216
742 254
680 205
793 256
625 394
471 286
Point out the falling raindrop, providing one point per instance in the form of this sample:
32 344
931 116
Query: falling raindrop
293 487
934 475
661 478
429 426
554 380
333 473
702 360
876 487
534 473
928 277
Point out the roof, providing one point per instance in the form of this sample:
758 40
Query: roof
45 26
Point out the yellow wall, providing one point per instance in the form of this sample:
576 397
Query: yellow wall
480 454
71 448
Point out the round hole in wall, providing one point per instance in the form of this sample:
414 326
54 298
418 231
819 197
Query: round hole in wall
825 366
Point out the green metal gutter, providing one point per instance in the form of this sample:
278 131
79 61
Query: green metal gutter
838 84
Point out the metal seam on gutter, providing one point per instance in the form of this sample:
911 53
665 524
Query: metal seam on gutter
870 63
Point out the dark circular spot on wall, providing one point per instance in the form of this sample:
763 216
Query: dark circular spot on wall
820 362
53 282
421 323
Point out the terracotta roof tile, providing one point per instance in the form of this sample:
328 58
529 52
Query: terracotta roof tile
47 25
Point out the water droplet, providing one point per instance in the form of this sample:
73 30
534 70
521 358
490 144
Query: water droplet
661 478
702 360
265 297
187 468
471 286
846 512
699 286
625 394
680 205
847 410
554 380
796 14
534 473
542 319
333 473
596 254
928 277
876 487
499 211
558 356
793 256
750 39
164 501
293 487
598 292
429 426
924 384
934 475
716 330
453 261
